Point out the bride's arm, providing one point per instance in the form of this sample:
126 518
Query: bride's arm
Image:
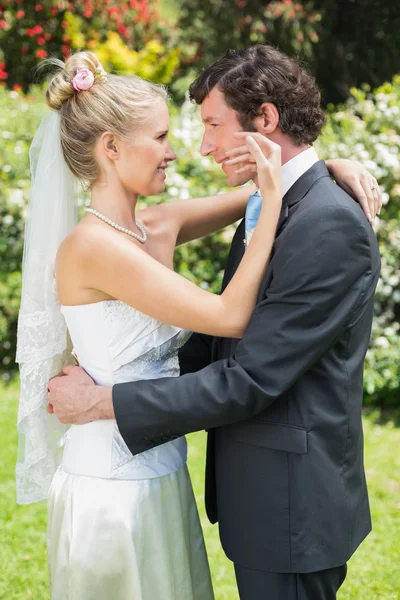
197 217
124 271
359 183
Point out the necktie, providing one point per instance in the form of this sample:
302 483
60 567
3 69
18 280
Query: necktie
252 215
253 210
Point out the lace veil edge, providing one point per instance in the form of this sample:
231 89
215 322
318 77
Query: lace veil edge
43 346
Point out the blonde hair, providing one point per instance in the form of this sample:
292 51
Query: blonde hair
114 103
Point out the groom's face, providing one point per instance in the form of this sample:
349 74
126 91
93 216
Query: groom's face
220 123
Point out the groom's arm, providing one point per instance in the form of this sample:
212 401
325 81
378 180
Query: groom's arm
323 275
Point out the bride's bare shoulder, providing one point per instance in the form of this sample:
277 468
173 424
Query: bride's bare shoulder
85 239
85 244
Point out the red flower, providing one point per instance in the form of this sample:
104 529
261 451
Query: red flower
64 24
122 29
54 10
17 87
34 31
41 41
38 7
2 66
20 14
3 75
65 49
3 24
41 53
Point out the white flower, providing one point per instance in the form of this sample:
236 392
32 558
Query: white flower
16 198
173 191
8 220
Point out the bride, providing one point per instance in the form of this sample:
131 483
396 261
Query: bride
119 526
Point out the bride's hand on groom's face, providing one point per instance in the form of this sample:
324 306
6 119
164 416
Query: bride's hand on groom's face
71 396
259 158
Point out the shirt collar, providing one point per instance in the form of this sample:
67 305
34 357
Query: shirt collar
296 167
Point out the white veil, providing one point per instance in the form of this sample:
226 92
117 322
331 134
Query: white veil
43 346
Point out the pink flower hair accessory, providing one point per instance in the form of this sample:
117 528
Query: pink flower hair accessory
83 80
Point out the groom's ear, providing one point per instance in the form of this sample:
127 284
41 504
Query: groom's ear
267 120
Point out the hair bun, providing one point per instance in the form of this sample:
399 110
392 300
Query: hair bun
60 88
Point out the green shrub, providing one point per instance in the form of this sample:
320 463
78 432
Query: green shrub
367 129
19 118
31 31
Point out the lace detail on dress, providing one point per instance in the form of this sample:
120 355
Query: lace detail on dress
115 310
121 455
133 334
118 344
159 361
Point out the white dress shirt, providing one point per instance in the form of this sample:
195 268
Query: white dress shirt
296 167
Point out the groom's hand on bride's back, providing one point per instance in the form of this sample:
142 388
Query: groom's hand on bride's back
68 395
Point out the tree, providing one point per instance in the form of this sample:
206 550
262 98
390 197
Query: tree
345 42
359 43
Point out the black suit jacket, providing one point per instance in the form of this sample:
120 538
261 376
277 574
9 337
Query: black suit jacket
285 474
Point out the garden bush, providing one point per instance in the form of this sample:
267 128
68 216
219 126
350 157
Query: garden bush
129 33
366 129
19 118
329 35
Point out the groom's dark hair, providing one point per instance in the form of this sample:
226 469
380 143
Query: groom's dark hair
259 74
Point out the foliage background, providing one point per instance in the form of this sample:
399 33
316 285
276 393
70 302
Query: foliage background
366 128
353 48
346 43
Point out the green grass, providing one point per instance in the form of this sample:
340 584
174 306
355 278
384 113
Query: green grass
374 571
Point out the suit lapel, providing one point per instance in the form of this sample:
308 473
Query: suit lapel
235 255
296 193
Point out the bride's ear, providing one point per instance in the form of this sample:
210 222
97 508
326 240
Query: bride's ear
109 145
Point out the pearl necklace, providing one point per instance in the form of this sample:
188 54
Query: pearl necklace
118 227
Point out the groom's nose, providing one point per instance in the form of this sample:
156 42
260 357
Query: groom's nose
207 147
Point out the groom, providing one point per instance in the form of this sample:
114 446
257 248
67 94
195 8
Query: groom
285 476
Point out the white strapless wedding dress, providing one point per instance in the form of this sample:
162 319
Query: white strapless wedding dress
123 527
